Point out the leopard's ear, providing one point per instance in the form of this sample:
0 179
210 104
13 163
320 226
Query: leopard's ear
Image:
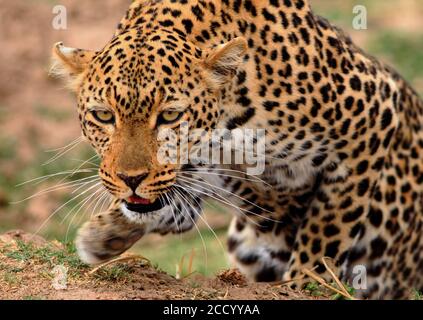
70 63
223 62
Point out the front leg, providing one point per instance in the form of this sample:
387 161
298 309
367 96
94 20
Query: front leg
263 232
107 235
335 220
261 255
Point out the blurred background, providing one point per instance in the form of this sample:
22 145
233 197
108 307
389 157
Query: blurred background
37 115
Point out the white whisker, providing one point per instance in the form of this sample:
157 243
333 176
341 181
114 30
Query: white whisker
63 205
171 202
60 154
223 200
226 175
207 169
77 140
195 225
97 201
93 179
60 187
96 165
200 216
227 191
43 178
82 164
85 201
106 201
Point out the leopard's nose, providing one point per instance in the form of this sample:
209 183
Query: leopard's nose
132 181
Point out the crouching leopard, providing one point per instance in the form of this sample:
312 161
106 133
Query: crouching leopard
343 174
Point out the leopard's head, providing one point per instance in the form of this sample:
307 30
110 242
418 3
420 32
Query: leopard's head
139 84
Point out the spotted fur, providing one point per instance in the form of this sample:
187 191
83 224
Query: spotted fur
344 138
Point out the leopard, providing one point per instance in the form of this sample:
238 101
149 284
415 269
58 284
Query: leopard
343 173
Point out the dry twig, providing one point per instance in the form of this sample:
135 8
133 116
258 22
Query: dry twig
119 259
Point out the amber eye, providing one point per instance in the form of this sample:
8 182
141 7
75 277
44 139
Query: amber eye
103 116
167 117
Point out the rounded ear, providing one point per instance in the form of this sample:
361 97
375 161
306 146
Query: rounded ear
223 62
69 63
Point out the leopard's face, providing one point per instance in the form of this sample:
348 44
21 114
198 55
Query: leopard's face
135 98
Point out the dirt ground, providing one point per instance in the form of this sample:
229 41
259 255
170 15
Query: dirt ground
29 270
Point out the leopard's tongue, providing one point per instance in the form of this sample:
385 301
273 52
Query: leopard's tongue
138 200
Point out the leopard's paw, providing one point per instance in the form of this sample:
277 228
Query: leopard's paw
105 236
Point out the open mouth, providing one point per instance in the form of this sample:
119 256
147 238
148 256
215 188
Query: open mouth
141 205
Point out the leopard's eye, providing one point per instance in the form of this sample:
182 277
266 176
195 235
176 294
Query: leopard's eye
167 117
103 116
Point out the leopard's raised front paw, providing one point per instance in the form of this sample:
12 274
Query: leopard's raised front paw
102 238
